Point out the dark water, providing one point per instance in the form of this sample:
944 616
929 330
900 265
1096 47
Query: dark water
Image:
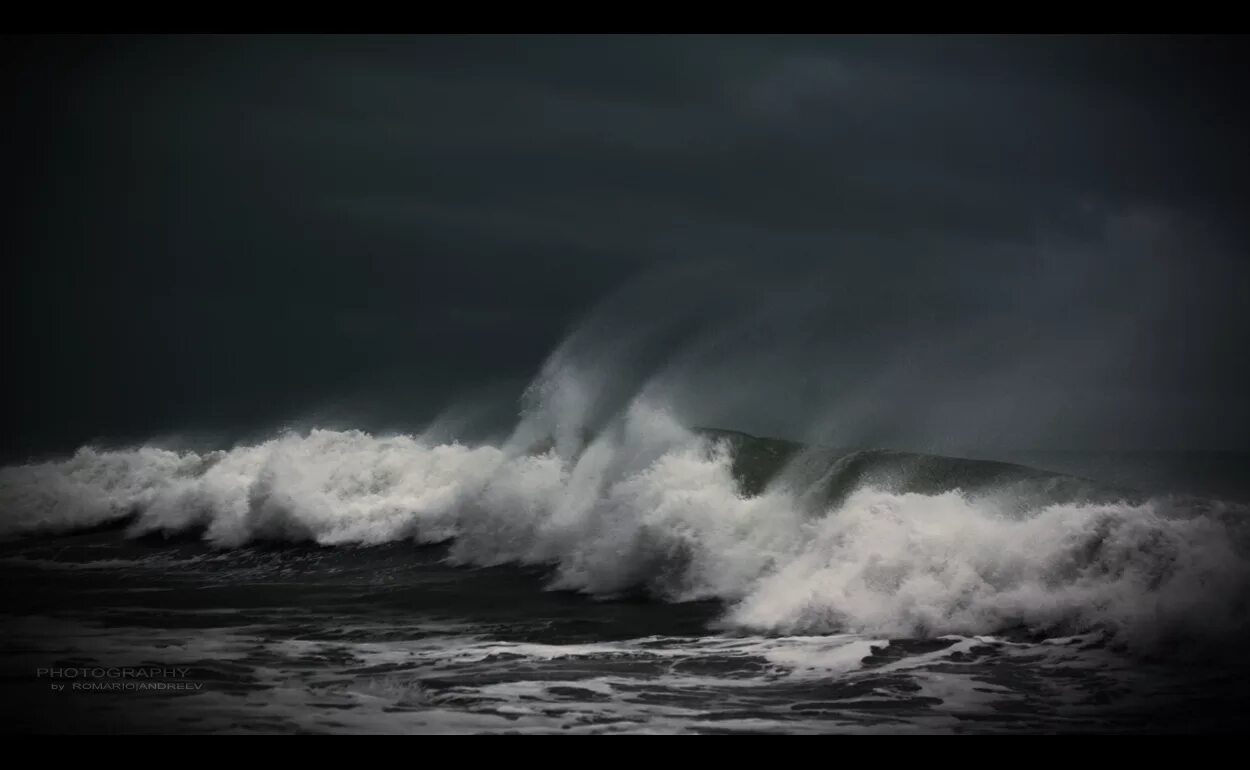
108 630
391 639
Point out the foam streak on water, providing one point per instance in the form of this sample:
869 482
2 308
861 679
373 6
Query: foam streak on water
464 682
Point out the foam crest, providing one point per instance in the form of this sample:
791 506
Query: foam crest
648 504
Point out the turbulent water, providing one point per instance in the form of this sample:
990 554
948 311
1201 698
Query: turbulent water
647 578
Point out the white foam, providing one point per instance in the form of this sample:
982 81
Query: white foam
462 682
649 503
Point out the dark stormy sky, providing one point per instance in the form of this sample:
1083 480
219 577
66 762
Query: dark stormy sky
918 241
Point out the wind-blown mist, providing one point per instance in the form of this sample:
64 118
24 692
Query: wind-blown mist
1062 344
607 480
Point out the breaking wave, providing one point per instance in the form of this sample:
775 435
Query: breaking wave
791 539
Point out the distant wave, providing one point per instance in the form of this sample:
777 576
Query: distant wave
792 539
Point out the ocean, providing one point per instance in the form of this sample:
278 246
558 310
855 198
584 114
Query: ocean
647 578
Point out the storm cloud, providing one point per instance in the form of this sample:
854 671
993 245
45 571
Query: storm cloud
917 241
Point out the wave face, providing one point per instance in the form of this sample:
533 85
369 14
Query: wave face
793 540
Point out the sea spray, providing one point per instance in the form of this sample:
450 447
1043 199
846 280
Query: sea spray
647 504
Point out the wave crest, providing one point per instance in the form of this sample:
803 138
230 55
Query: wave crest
804 546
